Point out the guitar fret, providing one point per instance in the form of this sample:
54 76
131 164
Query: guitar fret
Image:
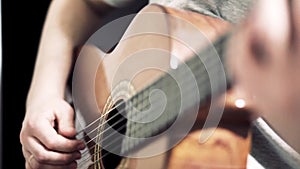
199 69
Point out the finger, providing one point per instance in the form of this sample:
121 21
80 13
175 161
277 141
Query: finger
34 164
28 156
26 153
65 120
48 136
27 166
43 155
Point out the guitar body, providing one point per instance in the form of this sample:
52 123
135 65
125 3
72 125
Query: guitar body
157 40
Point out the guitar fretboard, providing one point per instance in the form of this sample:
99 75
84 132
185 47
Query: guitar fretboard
154 109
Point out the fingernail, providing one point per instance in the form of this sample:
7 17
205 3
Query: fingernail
73 165
81 146
78 155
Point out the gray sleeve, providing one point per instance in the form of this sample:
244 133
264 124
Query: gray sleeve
230 10
117 3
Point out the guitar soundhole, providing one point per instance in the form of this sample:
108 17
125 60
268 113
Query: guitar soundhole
116 124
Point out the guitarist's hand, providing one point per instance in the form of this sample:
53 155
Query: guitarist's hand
47 135
265 61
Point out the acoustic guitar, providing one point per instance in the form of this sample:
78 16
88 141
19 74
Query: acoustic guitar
162 98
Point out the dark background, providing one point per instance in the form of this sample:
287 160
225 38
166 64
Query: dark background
22 23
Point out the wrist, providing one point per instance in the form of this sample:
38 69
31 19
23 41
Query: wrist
35 98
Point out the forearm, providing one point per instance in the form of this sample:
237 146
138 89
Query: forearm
68 24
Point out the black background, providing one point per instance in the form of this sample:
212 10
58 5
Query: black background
22 23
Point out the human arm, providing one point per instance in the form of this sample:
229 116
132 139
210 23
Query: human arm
47 134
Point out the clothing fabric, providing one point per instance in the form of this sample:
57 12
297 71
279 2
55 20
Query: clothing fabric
270 150
117 3
230 10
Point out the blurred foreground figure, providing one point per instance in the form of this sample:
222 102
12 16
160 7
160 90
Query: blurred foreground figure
265 63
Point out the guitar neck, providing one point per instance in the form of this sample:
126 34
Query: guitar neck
154 109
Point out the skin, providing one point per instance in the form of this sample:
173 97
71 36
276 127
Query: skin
47 134
266 64
263 56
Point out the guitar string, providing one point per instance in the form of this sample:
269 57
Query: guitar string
106 113
121 119
113 139
97 119
220 42
107 153
116 123
101 134
111 143
104 155
111 134
98 151
113 108
103 115
107 137
97 146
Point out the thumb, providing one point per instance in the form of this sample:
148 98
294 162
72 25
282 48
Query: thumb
65 121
